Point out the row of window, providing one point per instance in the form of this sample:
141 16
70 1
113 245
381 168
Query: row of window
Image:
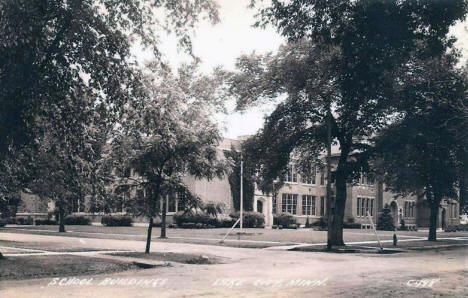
365 205
289 203
291 176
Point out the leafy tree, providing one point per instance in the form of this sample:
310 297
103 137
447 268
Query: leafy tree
170 136
48 49
65 165
420 154
348 75
385 221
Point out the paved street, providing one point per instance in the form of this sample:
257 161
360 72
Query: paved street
256 272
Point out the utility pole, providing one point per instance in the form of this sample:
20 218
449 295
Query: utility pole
241 193
330 205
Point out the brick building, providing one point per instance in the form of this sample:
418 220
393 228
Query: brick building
303 196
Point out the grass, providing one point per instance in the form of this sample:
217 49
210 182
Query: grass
16 268
174 257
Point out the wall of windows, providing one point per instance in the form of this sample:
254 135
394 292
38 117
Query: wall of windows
364 205
289 203
308 205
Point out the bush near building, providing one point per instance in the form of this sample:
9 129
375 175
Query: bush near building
77 220
3 222
284 219
43 222
116 221
385 222
351 224
251 219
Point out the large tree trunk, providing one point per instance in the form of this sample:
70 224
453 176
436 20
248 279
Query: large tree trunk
61 218
148 237
335 223
163 218
433 219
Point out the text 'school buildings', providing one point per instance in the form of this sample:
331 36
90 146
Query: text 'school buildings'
304 197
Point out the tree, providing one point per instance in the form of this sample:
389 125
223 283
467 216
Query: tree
170 136
419 153
65 166
353 87
248 186
385 221
48 49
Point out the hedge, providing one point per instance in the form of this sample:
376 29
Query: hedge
43 222
3 222
196 218
76 220
117 221
284 219
251 219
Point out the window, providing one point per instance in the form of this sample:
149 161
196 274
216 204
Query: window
289 203
291 176
171 204
367 206
358 207
308 205
308 178
363 211
322 177
372 207
322 206
77 205
180 205
274 202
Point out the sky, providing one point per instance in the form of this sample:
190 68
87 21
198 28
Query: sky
221 44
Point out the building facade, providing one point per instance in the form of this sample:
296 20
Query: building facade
303 196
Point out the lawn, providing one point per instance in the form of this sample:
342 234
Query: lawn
60 266
254 238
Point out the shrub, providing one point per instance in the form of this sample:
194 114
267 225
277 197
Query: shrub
76 220
195 218
116 221
43 222
284 219
24 221
251 219
351 225
307 224
385 222
3 222
321 224
188 225
403 226
226 222
274 227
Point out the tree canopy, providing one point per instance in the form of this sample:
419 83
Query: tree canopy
354 52
49 49
171 135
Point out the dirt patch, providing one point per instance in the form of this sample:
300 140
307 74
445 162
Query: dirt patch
13 268
345 249
176 257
